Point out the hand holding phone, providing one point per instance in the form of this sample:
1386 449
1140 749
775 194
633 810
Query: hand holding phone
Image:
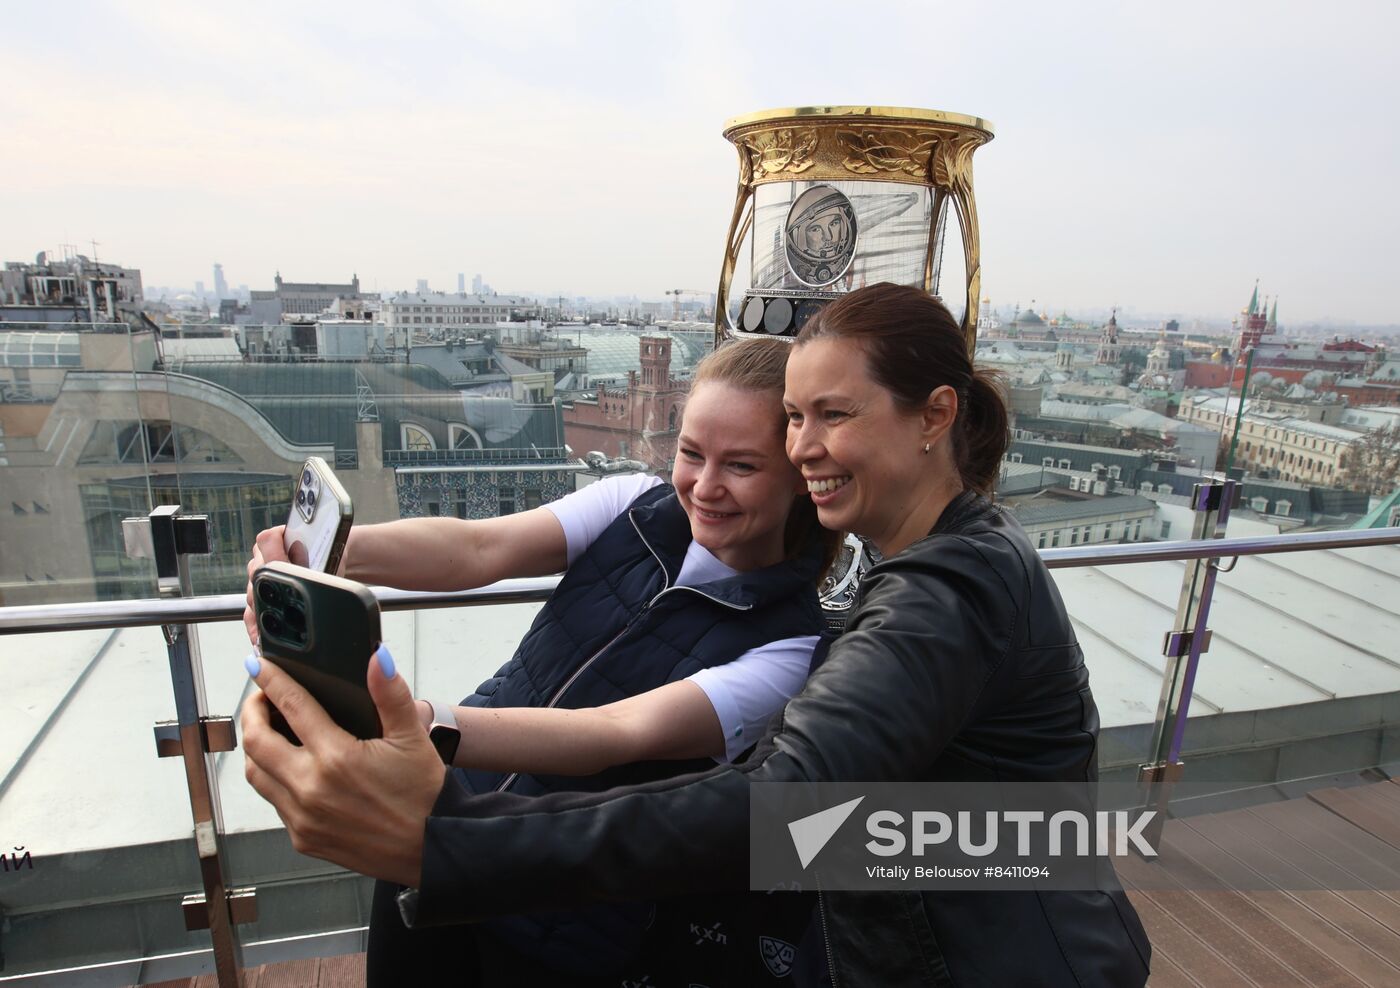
321 630
320 519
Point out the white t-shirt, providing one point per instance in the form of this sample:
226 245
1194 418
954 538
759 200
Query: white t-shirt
746 692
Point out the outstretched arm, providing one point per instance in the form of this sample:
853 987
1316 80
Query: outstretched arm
435 553
670 722
452 554
716 713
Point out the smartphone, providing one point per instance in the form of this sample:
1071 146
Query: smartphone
320 629
320 519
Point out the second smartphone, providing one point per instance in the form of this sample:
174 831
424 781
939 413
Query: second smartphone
320 519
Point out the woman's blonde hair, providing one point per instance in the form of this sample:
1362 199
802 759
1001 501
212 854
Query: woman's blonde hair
760 366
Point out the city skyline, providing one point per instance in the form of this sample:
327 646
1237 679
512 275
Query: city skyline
1163 163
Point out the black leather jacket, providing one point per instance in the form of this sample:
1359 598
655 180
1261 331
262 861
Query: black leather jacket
959 662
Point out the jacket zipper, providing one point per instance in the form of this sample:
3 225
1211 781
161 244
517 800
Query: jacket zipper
826 936
665 589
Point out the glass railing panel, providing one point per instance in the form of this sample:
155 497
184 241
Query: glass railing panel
1122 645
1325 622
1300 678
71 414
106 821
443 653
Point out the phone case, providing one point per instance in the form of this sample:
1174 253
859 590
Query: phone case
321 630
320 519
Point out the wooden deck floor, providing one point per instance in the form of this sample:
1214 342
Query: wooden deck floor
1270 938
1274 938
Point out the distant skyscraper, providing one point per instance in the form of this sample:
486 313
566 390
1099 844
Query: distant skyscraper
476 285
461 283
199 289
422 286
220 285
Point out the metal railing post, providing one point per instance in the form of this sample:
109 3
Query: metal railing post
1182 647
170 538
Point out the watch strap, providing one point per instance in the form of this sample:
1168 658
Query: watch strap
443 732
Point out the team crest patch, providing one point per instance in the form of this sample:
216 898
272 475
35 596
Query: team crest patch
777 955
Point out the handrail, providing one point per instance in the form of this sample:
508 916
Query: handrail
228 607
89 615
1248 545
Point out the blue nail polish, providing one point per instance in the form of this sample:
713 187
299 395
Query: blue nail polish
253 666
386 661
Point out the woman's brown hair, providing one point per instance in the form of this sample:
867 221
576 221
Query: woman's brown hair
913 345
760 366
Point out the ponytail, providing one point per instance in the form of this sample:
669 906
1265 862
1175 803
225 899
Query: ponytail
981 435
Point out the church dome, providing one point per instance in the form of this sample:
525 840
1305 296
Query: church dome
1027 317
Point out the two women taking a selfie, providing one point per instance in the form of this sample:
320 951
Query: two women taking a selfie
958 662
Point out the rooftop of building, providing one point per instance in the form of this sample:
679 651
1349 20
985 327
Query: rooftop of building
457 298
613 352
319 403
1383 514
1283 420
1055 508
200 348
1133 454
23 348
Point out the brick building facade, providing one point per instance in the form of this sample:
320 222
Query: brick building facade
640 421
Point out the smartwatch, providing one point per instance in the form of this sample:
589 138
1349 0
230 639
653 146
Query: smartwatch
443 732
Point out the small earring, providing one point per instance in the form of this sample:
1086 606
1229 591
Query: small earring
926 447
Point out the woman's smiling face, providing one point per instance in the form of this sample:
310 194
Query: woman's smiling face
859 453
732 476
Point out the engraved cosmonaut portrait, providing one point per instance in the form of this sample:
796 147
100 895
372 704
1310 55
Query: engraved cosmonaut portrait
820 236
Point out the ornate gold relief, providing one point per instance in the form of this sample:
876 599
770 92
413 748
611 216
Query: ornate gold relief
870 152
952 164
787 149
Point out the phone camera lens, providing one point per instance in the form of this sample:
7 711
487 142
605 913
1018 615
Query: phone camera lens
272 625
306 477
267 592
301 498
311 498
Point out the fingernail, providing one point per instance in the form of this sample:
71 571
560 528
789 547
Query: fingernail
252 664
386 661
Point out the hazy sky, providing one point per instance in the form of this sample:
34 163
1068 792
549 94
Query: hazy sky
1157 159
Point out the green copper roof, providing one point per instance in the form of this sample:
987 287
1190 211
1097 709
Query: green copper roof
1380 517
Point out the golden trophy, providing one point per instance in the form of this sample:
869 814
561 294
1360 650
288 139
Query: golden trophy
832 198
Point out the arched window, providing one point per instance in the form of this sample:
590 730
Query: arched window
672 426
463 436
416 438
